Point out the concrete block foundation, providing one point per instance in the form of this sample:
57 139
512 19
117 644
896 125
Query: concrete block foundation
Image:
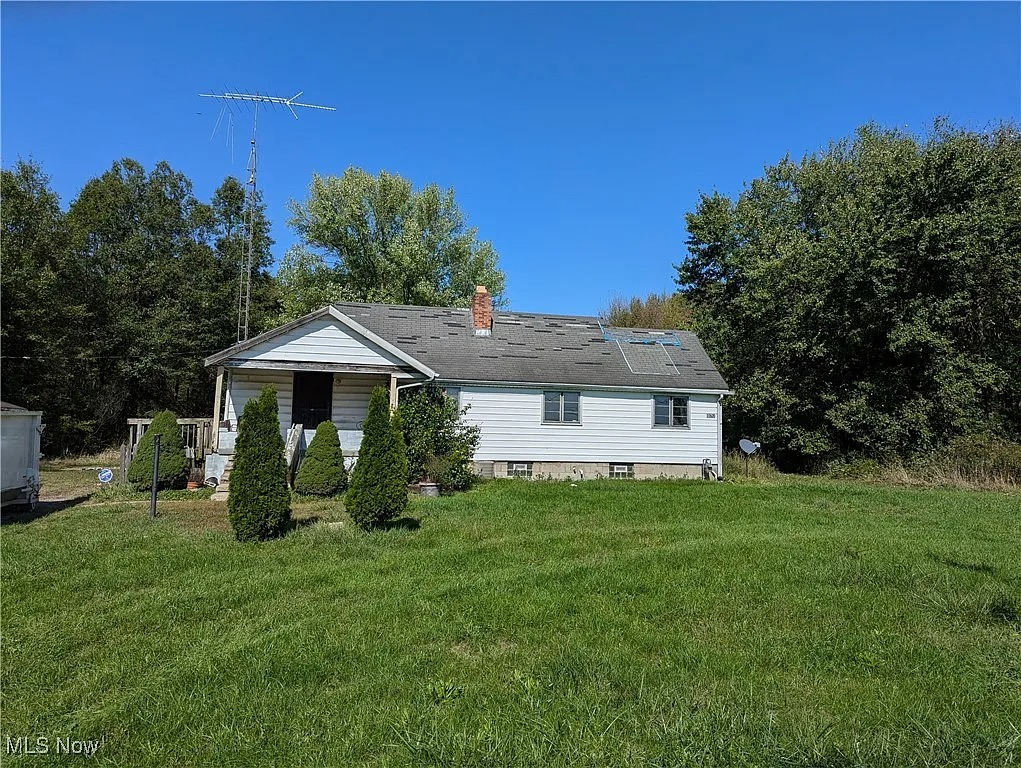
588 470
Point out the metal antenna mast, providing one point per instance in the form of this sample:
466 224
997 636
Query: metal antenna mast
255 100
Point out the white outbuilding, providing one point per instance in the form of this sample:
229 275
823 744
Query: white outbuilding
20 430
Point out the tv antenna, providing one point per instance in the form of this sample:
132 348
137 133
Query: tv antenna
253 101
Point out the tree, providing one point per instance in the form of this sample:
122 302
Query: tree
374 238
322 471
379 482
172 470
867 300
43 308
109 308
657 310
432 425
259 503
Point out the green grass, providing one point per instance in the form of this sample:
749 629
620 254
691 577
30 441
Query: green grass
796 622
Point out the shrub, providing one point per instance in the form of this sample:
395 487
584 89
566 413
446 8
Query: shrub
983 458
379 482
433 425
173 467
435 468
322 470
259 505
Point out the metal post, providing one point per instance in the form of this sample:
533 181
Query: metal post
155 474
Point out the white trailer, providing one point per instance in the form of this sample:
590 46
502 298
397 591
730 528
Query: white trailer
19 454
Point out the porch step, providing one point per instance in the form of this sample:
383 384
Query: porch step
223 487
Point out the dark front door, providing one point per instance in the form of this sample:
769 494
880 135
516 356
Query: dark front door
313 398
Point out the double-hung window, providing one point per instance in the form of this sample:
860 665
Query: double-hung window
670 411
561 407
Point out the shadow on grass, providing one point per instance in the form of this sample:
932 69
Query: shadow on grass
401 523
953 563
20 515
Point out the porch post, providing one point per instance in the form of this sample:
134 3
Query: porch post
216 408
393 391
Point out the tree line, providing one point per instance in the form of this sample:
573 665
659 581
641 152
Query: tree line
110 305
864 301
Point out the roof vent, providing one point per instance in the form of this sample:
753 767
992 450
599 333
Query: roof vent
482 312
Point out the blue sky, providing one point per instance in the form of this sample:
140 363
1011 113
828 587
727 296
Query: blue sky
576 135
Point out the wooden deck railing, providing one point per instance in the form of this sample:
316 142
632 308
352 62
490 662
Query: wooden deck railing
196 433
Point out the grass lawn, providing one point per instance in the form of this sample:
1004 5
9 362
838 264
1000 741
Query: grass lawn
804 622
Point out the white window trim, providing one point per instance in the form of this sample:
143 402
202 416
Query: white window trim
670 411
561 393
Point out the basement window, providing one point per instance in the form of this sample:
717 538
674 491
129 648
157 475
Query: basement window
622 471
519 469
561 407
670 411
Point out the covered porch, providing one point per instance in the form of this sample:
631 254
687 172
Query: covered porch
323 366
306 397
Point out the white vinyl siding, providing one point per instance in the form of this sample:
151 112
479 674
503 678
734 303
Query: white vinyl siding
321 341
243 385
351 398
618 427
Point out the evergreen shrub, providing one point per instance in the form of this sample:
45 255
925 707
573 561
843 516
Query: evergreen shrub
173 467
322 471
259 504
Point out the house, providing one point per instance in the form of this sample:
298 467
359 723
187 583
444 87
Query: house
555 396
20 430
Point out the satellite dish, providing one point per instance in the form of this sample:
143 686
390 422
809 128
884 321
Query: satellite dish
748 447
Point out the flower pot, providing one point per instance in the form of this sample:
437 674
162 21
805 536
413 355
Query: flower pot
193 485
429 489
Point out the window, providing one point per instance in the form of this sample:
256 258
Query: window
670 411
454 393
622 470
519 469
561 407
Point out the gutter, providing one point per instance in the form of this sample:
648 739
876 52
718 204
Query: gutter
601 387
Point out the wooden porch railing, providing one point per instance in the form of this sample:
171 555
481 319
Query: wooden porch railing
196 433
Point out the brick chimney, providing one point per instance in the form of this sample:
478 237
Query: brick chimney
482 311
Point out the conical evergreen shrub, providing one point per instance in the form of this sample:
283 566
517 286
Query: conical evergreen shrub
322 470
379 482
173 468
259 504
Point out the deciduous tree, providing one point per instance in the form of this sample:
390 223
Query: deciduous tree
867 299
375 238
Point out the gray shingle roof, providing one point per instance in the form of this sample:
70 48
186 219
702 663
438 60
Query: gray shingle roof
540 349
